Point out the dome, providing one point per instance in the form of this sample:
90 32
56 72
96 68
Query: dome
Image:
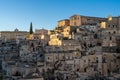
16 30
109 18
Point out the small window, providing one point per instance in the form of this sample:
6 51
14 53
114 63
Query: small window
96 57
113 26
105 37
48 58
108 25
110 38
89 60
84 60
84 69
114 32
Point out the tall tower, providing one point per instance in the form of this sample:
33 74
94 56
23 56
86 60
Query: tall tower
31 28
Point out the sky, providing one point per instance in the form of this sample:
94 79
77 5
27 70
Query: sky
45 13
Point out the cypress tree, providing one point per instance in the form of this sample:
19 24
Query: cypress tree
31 30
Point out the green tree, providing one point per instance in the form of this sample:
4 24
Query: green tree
31 28
1 76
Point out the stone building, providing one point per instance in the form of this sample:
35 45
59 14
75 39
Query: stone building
110 34
64 22
55 40
12 35
68 32
78 20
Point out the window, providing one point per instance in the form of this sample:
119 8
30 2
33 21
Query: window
110 38
89 60
114 32
84 60
84 69
75 23
48 58
97 61
75 18
96 57
113 26
56 57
